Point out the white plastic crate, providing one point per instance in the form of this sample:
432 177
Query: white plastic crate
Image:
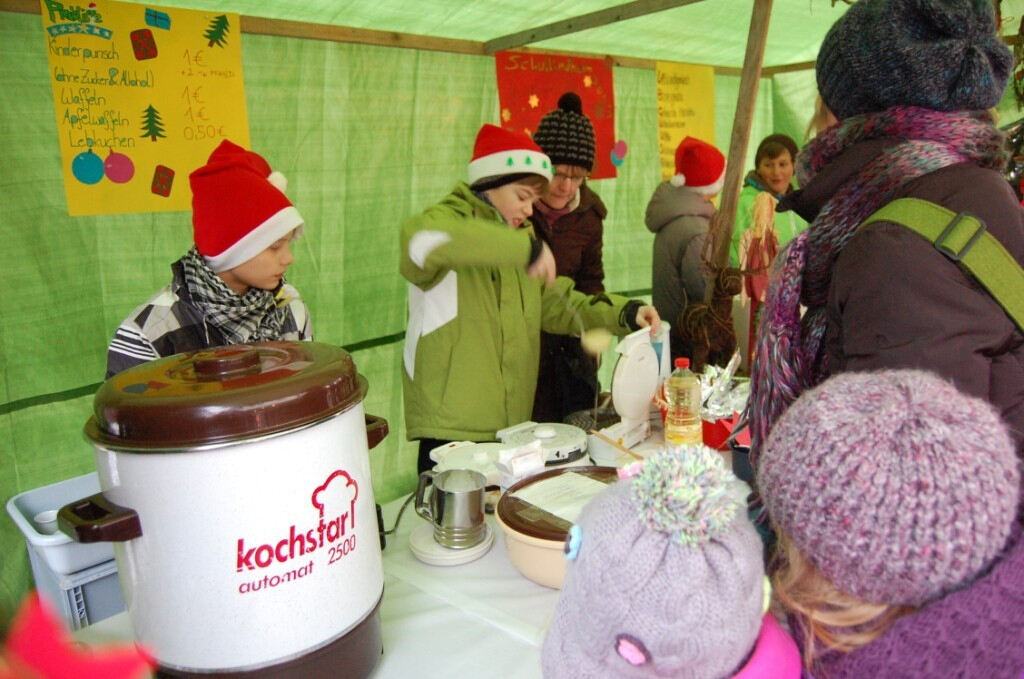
61 554
80 580
81 598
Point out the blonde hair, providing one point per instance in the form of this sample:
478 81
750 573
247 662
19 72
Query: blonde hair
829 618
823 118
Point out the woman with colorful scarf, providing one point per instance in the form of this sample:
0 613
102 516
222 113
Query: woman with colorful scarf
911 82
912 124
229 288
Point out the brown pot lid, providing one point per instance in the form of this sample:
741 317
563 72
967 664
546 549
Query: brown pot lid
223 394
523 517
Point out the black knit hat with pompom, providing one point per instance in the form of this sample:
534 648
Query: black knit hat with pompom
566 135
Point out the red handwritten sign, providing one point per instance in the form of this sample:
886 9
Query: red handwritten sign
529 86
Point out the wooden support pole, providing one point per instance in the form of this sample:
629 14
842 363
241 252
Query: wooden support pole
603 17
745 106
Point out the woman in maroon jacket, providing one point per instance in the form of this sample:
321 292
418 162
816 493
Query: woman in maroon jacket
913 122
569 217
911 82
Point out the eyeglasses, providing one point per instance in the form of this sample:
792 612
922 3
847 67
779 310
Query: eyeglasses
572 179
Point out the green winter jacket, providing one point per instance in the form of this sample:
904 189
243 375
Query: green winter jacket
788 225
472 343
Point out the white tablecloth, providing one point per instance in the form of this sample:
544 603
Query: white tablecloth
477 619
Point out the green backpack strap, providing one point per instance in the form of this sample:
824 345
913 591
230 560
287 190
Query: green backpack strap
963 238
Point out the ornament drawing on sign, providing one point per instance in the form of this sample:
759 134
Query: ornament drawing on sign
215 33
534 101
143 44
618 153
158 19
163 178
152 126
118 167
87 167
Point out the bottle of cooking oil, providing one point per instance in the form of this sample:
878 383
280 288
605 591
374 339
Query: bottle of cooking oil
682 421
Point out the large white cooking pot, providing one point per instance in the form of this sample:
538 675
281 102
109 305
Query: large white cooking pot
236 491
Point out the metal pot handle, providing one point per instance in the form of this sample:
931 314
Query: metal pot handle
97 519
376 430
426 478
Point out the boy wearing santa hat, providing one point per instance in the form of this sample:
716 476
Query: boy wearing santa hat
229 288
481 289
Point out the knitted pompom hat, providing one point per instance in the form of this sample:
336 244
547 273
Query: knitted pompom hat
896 486
238 207
502 156
666 576
566 135
939 54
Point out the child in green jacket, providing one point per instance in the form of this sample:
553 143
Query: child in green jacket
481 289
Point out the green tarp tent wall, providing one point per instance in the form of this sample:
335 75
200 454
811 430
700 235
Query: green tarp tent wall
367 134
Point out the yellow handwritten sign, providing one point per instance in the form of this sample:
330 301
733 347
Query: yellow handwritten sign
686 107
142 95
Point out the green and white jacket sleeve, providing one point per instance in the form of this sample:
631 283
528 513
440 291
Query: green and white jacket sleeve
445 237
561 303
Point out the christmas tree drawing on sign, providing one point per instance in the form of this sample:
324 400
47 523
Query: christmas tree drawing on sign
152 126
215 33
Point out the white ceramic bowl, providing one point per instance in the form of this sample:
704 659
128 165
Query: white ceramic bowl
535 539
542 561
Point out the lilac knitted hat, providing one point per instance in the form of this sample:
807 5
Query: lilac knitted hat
939 54
665 579
896 486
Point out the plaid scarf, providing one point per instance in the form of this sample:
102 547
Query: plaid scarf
256 316
789 356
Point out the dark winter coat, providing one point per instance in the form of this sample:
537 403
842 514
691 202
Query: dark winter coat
897 302
575 240
567 377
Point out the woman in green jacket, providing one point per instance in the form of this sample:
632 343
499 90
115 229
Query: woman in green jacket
773 172
481 289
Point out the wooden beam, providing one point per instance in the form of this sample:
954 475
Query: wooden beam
769 71
363 36
621 61
745 105
583 22
20 6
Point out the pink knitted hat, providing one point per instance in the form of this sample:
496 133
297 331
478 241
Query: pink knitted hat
895 485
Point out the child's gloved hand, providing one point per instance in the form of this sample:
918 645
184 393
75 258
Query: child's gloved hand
647 316
544 266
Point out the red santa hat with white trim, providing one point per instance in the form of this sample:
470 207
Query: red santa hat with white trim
502 156
699 167
238 207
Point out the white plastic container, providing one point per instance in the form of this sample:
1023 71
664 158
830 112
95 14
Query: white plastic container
81 598
60 553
